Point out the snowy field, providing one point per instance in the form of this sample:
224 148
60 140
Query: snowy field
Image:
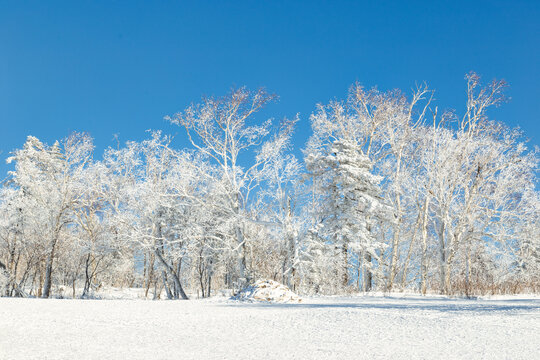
374 327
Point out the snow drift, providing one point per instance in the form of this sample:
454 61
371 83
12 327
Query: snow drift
267 291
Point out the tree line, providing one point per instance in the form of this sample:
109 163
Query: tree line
391 194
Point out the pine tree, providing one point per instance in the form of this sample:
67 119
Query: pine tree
352 206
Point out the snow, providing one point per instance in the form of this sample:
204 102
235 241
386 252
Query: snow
267 291
371 327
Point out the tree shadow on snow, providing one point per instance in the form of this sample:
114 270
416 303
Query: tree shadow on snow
423 304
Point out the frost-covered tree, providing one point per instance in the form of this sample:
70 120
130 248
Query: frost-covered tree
463 192
382 125
96 245
48 177
222 129
384 197
157 206
279 200
352 205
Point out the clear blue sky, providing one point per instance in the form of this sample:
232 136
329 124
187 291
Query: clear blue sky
118 67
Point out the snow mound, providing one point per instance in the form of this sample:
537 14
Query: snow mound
267 291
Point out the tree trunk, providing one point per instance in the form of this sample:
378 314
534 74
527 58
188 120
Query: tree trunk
397 227
166 286
467 272
423 270
345 255
442 259
368 276
409 253
395 244
149 274
87 280
241 254
48 272
208 291
40 289
241 258
172 274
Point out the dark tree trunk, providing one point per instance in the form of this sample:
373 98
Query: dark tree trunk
368 276
87 280
172 274
48 275
166 285
345 255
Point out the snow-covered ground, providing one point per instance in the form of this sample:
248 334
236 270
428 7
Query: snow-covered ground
373 327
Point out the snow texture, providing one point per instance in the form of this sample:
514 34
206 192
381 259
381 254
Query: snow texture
374 327
267 291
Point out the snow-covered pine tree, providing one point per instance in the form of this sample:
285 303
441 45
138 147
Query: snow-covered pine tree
352 207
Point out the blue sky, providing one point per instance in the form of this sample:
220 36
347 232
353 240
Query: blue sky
119 67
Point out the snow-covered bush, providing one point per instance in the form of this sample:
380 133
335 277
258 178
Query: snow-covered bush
267 291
